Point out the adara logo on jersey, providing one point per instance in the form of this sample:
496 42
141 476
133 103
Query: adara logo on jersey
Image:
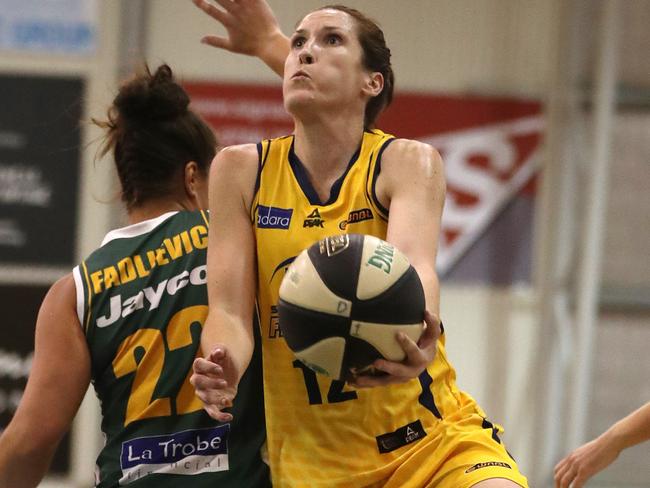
273 217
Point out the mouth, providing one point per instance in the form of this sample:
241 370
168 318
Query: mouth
299 75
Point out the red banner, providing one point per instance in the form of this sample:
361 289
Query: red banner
490 145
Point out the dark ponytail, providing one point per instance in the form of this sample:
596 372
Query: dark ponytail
153 135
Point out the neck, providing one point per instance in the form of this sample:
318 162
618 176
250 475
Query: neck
155 208
326 146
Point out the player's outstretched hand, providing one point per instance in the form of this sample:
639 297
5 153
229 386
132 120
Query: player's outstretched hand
213 382
418 357
250 24
583 463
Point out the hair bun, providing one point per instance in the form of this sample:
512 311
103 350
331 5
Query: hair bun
152 97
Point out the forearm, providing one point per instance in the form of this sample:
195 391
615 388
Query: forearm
424 263
632 430
23 461
223 329
431 287
275 51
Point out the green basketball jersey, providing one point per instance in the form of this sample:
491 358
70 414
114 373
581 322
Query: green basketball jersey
142 301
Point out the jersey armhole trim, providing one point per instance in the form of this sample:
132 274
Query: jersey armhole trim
78 283
381 210
205 218
90 297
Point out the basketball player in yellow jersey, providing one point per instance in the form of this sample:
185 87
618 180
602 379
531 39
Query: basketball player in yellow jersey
413 428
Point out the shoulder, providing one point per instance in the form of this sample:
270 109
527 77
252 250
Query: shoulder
235 168
235 159
61 297
409 161
63 287
412 156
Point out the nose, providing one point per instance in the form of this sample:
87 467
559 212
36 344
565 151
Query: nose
306 56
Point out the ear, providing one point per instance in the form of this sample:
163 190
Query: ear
191 177
373 85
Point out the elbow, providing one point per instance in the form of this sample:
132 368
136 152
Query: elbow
427 274
430 285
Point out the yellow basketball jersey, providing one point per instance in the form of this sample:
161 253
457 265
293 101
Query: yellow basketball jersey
322 432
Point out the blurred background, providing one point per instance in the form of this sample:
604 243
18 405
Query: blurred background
541 111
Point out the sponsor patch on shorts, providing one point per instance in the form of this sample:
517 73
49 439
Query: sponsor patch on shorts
189 452
401 437
490 464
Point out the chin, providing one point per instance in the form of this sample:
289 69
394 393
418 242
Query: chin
299 103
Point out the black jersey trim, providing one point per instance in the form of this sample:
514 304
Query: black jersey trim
486 424
283 264
383 211
261 161
300 173
426 398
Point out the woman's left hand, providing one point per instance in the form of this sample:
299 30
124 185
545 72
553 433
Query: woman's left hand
418 356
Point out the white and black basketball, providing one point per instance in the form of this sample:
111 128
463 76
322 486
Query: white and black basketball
343 300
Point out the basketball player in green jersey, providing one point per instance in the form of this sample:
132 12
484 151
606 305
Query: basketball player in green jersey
129 319
269 201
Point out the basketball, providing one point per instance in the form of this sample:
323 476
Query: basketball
343 300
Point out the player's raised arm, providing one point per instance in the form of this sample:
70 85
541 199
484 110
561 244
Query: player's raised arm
252 30
227 340
412 186
58 380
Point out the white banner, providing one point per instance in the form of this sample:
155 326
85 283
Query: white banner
49 26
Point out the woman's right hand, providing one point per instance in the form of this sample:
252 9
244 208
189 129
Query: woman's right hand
214 381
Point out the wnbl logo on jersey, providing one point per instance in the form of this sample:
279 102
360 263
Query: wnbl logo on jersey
273 217
188 452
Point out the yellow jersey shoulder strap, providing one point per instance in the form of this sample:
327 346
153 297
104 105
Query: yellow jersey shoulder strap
263 151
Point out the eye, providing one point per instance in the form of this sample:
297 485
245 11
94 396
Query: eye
297 42
333 39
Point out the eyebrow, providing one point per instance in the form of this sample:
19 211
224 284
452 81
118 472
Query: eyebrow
327 28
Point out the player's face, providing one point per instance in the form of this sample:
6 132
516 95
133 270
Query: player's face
324 68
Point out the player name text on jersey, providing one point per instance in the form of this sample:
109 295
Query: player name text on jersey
140 265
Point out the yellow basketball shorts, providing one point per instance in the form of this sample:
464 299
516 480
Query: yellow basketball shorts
464 450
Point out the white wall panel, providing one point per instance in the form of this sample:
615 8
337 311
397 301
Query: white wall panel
627 240
635 44
496 46
490 342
